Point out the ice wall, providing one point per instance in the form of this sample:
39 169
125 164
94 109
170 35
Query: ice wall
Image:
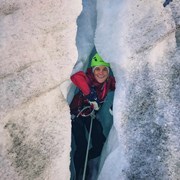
138 39
38 51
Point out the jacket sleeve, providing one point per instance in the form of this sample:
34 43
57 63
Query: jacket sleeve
81 81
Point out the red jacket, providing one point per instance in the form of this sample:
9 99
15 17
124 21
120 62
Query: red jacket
84 82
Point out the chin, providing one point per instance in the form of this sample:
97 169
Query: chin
100 81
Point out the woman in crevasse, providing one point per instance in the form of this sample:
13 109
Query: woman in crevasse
93 86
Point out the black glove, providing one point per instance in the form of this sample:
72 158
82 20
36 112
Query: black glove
93 98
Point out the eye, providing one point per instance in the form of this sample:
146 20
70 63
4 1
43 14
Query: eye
97 69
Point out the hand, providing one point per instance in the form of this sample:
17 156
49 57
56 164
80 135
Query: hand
95 105
93 99
92 96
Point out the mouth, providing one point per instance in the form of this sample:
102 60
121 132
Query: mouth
101 77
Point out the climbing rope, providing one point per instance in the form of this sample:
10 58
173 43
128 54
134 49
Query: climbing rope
85 108
92 114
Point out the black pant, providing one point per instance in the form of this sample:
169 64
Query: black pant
79 126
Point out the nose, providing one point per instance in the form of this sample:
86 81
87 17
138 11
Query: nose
101 71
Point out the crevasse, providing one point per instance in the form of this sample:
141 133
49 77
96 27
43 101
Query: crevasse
140 41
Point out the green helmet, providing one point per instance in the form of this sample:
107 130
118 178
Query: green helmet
98 61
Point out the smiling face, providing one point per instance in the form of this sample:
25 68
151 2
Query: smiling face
101 73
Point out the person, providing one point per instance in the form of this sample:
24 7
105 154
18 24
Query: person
93 86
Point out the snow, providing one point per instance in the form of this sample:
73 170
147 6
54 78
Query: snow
38 50
138 39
